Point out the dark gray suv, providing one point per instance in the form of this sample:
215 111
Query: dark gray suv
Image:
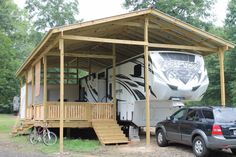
204 128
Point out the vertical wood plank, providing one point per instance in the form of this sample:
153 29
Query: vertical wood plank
45 88
33 85
147 82
61 47
222 75
26 95
114 79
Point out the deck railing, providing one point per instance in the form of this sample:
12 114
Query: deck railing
38 112
35 112
102 111
29 113
80 111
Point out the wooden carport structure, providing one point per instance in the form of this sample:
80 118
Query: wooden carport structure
106 41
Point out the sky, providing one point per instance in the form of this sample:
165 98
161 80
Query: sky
95 9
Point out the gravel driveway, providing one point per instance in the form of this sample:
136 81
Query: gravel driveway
139 149
135 149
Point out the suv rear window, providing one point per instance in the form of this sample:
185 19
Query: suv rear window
225 115
208 114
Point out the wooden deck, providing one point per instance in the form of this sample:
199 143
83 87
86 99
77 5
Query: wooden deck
99 116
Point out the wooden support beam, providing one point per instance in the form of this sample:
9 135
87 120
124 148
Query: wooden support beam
136 24
143 43
103 40
222 75
26 93
103 20
33 85
31 56
45 87
114 79
83 55
184 47
47 50
190 28
61 47
147 90
77 70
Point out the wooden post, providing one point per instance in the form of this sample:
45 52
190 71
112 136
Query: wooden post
61 47
33 86
26 95
21 85
222 75
77 70
147 90
114 79
45 87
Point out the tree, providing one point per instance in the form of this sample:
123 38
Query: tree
46 14
8 83
195 12
15 45
230 27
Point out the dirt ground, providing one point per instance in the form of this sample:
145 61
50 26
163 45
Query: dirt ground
137 149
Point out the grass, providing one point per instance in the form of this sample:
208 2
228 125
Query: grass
74 145
6 123
71 145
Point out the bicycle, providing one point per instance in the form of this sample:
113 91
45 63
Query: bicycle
39 134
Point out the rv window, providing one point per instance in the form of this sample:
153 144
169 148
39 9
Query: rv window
137 70
101 75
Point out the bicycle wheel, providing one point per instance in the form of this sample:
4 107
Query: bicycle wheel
49 138
33 137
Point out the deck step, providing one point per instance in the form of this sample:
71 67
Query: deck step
109 132
21 129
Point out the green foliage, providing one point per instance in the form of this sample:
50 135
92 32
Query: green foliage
11 26
194 12
230 27
51 13
71 145
8 82
20 32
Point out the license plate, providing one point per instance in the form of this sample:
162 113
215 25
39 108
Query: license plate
234 132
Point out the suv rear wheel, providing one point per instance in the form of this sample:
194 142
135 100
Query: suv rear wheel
161 138
199 147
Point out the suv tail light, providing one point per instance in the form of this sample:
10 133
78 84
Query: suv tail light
216 130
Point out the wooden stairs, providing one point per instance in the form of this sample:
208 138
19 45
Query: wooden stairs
109 132
22 128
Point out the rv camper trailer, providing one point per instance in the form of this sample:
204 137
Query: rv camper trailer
174 77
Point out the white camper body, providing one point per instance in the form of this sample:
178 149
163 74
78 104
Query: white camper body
173 77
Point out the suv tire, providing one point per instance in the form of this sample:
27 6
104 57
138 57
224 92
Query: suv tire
161 138
199 147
